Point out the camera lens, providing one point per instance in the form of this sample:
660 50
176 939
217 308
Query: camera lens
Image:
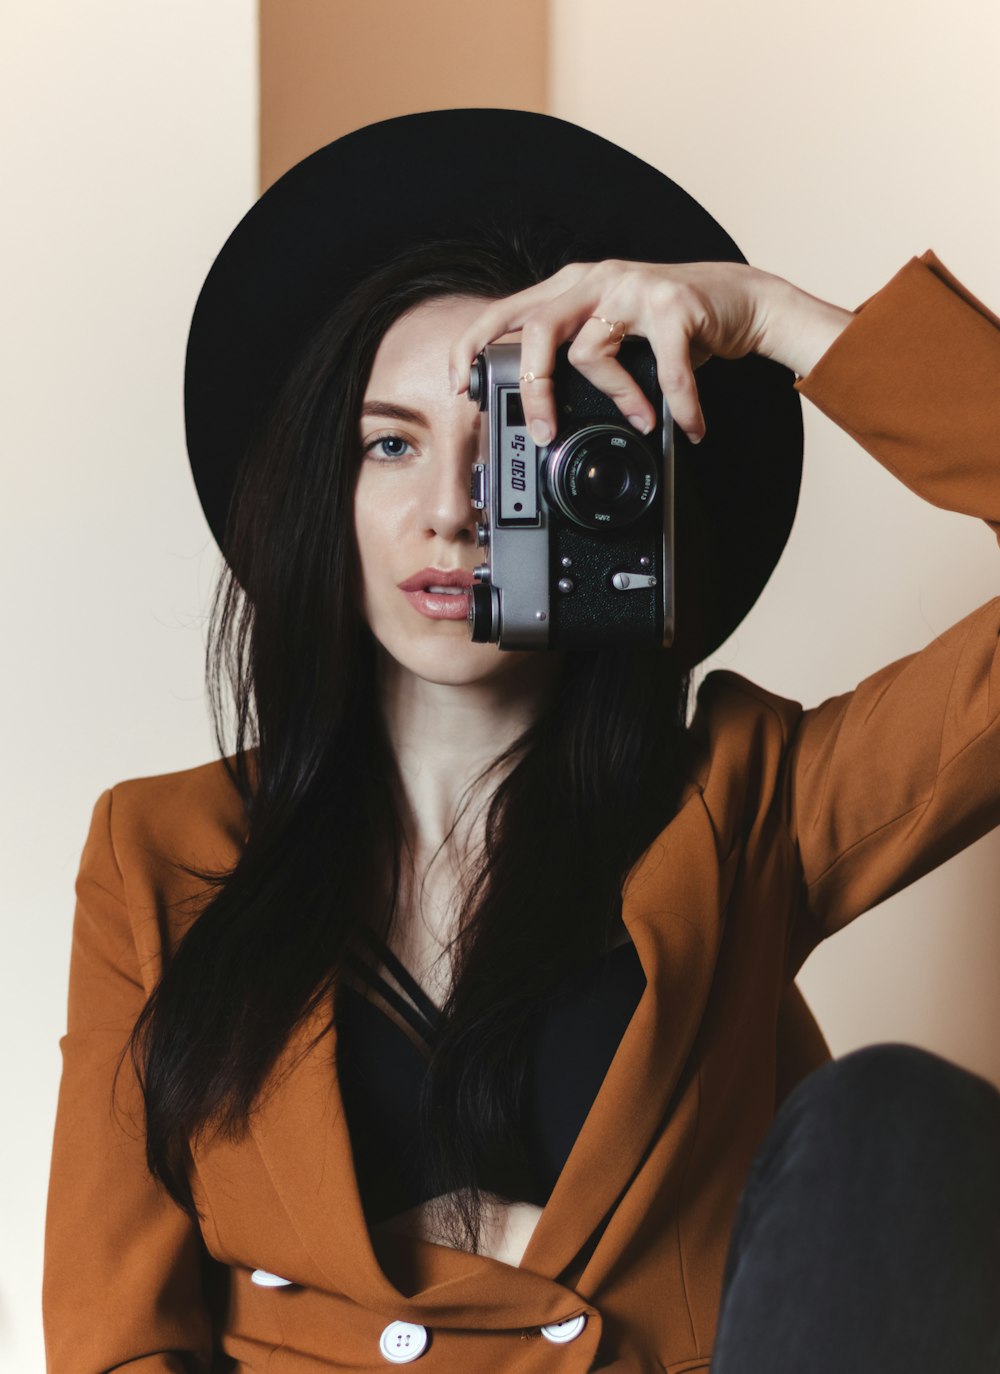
601 477
604 479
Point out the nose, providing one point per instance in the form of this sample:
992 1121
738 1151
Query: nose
450 513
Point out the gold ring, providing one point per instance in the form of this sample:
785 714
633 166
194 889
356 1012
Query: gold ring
613 325
530 377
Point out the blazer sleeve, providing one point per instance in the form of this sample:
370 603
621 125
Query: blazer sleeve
883 783
122 1281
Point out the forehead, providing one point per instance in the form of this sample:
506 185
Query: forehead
422 338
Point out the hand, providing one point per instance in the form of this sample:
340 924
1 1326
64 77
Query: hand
688 311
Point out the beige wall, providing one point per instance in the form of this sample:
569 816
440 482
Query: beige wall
329 66
834 143
129 152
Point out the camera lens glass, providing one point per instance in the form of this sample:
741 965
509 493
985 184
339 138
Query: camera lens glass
602 477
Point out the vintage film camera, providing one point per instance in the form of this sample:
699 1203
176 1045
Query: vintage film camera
578 534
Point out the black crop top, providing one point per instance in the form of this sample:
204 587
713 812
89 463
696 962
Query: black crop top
380 1070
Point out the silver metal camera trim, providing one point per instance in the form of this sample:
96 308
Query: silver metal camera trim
516 576
530 625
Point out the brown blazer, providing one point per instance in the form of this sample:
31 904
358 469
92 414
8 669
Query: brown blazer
795 822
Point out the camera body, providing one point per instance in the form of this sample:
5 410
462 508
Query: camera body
578 534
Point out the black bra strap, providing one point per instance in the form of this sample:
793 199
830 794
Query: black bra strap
402 974
413 1017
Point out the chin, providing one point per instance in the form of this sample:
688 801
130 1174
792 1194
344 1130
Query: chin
450 659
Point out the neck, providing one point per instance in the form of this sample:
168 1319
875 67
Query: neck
444 734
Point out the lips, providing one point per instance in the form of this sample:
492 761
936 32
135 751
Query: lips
441 605
449 602
426 578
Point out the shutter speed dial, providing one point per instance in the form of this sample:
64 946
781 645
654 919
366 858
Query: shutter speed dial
484 612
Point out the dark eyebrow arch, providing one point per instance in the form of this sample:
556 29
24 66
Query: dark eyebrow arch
393 412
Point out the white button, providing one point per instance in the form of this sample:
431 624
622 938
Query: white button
266 1280
402 1342
567 1330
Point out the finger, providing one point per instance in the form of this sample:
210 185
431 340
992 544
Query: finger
609 287
541 335
676 377
496 320
589 355
539 406
542 331
504 317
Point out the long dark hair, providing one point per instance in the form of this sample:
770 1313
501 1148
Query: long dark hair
586 788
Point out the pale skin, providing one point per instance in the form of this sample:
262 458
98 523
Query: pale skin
450 704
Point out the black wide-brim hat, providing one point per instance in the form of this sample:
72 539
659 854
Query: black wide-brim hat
347 208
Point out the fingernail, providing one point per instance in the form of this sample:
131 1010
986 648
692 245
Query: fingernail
637 422
696 438
540 432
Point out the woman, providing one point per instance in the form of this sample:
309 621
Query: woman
452 1016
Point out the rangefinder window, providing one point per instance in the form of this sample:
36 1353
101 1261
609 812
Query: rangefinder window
517 466
515 410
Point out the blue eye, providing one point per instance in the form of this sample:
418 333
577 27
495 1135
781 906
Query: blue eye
385 439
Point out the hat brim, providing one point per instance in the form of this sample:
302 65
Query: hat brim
345 209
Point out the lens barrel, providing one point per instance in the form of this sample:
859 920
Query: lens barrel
601 477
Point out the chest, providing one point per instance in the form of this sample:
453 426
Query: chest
422 936
389 1022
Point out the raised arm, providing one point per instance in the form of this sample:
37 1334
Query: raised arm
884 783
892 779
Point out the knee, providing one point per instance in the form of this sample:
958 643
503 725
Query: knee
901 1092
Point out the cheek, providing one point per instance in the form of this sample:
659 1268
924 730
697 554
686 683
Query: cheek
366 523
377 529
362 537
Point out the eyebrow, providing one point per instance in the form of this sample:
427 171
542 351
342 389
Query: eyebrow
393 412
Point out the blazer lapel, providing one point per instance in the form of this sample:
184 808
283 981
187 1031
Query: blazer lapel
302 1137
671 907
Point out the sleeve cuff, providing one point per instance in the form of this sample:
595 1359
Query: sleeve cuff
887 328
913 379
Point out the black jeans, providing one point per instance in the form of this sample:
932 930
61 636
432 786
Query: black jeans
867 1237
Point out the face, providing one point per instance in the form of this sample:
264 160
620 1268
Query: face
412 508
